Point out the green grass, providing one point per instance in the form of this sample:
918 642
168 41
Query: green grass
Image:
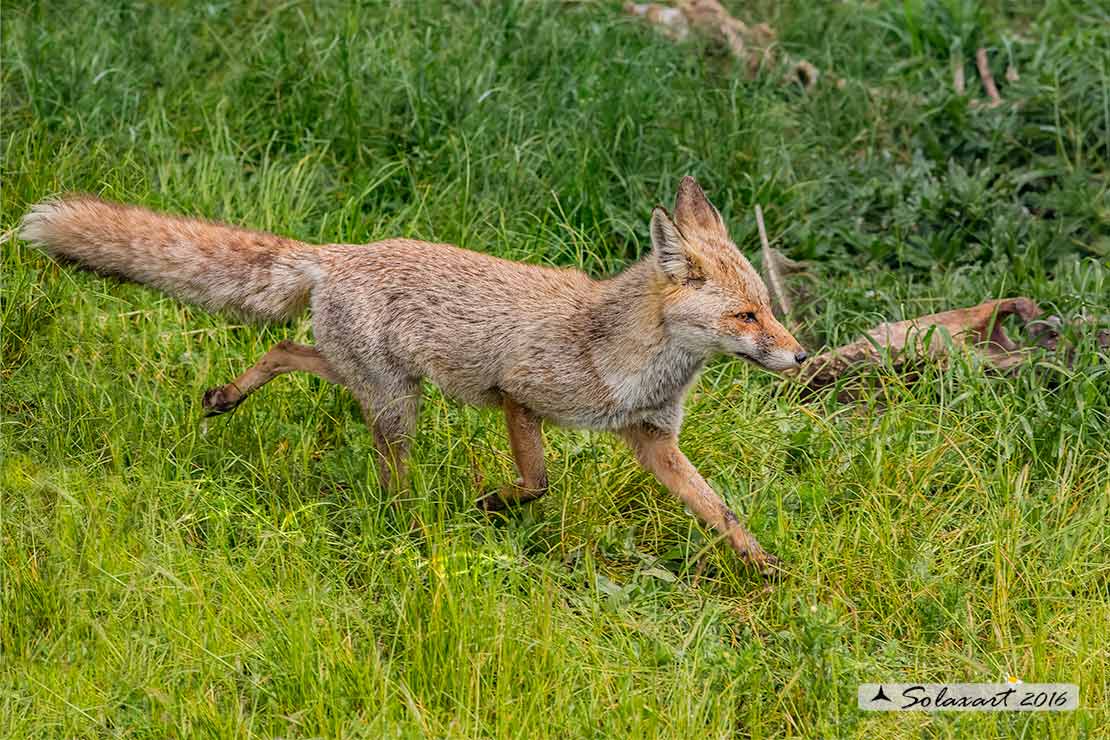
166 577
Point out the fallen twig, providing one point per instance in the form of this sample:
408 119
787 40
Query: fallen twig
752 45
976 327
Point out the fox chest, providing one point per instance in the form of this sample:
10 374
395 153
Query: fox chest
652 395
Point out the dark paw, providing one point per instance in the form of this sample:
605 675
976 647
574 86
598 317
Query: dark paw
766 564
510 496
220 400
758 559
492 502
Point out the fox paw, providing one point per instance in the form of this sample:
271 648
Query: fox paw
498 499
220 400
509 496
492 501
755 557
766 564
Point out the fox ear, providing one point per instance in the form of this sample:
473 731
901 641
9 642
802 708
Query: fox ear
693 212
667 244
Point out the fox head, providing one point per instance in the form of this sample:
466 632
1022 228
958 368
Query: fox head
713 299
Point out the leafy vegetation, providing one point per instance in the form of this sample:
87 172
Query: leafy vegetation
167 577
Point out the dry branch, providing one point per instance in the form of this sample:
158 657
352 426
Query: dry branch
977 327
753 45
985 75
958 82
772 268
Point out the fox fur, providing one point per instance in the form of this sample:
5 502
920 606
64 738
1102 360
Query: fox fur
542 343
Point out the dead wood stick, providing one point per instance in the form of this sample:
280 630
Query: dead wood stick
986 77
770 266
976 327
958 82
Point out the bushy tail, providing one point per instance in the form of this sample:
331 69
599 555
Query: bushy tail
259 275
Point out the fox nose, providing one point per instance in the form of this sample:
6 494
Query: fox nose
800 357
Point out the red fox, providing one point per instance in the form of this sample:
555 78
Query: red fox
542 343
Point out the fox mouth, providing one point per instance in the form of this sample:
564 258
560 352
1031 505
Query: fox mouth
762 362
749 359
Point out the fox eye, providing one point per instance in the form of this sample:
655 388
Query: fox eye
747 317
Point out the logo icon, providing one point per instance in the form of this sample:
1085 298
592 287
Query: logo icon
880 696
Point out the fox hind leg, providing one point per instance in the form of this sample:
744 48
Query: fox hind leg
392 412
526 442
284 357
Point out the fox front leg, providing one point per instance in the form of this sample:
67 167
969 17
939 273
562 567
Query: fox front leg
657 451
